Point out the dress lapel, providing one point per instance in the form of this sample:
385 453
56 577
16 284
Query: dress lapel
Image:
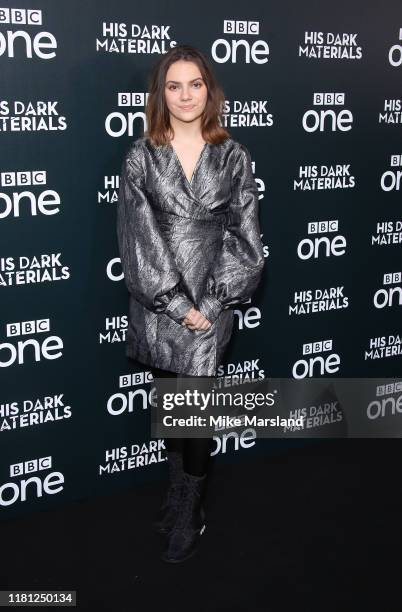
190 184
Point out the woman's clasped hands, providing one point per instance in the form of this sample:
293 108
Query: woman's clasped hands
194 319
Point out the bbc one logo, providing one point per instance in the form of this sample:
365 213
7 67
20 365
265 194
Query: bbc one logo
328 119
322 246
391 179
17 351
318 359
27 486
23 201
122 122
252 51
23 40
387 296
395 53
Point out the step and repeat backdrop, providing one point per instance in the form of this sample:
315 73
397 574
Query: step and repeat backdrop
313 91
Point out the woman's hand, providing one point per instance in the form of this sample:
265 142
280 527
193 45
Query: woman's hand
195 320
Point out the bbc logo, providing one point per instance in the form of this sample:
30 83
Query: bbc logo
392 278
28 327
329 99
317 347
131 98
23 179
31 466
21 16
322 227
396 160
137 378
241 27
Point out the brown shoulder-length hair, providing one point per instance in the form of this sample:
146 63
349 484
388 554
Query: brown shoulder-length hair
159 130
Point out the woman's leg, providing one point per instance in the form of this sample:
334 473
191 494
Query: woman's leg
174 445
196 454
190 521
167 514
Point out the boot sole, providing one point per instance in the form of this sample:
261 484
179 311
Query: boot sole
164 531
167 560
167 531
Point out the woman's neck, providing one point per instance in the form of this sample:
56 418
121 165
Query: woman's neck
186 133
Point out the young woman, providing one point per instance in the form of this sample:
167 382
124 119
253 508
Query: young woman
190 247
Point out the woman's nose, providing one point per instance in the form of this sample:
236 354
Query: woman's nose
185 95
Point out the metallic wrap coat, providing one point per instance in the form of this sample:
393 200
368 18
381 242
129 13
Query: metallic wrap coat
185 243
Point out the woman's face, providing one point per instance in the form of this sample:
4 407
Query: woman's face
185 91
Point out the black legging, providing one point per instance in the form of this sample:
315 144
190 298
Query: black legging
195 451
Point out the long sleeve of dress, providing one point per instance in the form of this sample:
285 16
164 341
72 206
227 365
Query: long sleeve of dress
236 272
150 272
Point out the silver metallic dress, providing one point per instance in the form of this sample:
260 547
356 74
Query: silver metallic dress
186 243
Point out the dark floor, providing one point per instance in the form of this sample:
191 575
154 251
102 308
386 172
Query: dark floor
318 527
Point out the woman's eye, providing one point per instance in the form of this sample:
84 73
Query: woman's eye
197 86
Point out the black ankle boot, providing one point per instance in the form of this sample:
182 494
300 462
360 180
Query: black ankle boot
168 511
190 523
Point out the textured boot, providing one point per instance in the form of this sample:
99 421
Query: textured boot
190 522
167 513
